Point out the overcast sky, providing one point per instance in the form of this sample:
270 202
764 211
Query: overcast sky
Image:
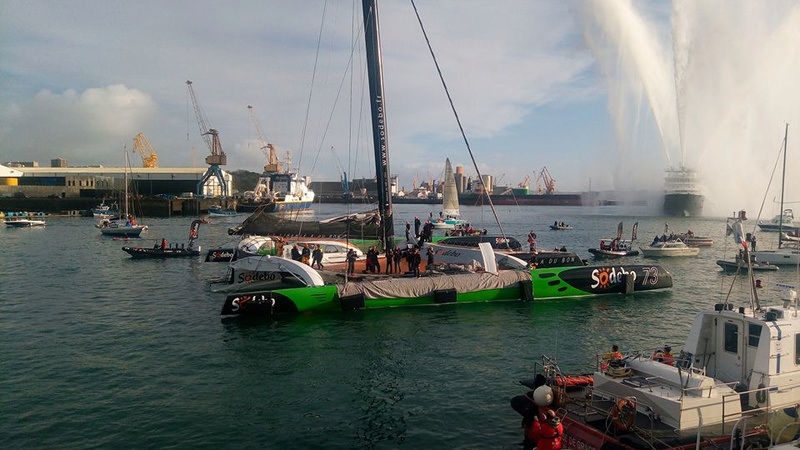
535 84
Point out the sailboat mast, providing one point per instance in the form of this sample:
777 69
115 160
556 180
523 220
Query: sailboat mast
783 186
127 163
379 128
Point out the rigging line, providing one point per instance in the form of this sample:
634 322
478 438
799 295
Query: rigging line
458 120
771 177
348 69
313 79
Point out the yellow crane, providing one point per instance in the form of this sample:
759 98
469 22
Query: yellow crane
149 157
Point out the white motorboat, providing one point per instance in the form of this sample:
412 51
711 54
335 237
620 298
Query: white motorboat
24 223
782 222
674 247
734 384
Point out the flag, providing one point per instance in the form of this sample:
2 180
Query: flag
738 234
619 231
635 232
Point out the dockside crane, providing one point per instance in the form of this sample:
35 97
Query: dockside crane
273 164
549 182
142 146
211 136
343 177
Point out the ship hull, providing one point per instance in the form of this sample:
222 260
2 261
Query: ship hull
576 199
683 205
274 206
557 282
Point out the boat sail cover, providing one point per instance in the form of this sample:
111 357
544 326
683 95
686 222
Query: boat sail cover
450 193
363 225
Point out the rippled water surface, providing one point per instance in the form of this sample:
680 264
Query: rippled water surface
98 350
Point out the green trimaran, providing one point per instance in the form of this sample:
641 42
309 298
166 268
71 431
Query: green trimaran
523 284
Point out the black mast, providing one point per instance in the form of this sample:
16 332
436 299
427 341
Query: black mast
379 128
783 185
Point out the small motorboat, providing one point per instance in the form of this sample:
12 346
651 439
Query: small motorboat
24 223
613 248
560 226
741 266
617 247
781 222
160 251
219 211
673 247
691 240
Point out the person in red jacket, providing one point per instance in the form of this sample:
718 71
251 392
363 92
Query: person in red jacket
548 432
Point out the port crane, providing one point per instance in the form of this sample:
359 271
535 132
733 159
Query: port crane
211 136
273 164
345 183
549 182
142 146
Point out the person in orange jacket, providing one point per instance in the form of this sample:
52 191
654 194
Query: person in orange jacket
548 432
665 356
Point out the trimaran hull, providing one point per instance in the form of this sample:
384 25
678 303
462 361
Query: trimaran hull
519 284
537 284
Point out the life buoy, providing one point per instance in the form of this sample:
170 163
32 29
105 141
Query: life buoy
623 414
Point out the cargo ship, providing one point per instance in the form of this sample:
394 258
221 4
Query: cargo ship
528 199
682 196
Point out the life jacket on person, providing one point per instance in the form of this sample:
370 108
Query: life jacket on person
549 432
532 432
658 355
668 358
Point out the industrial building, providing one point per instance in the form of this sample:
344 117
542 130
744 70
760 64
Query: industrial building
30 180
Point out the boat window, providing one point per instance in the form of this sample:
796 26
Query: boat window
331 249
797 348
754 335
731 338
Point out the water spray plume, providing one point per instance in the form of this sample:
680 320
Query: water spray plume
713 81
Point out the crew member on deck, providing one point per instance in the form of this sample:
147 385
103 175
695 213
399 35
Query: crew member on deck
532 240
665 356
548 431
614 354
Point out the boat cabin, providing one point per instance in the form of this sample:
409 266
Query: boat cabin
735 361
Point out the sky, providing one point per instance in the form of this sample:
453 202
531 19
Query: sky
591 90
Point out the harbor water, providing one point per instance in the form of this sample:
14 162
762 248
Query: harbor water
98 350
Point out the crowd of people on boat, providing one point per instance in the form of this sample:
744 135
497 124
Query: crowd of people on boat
304 254
394 258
